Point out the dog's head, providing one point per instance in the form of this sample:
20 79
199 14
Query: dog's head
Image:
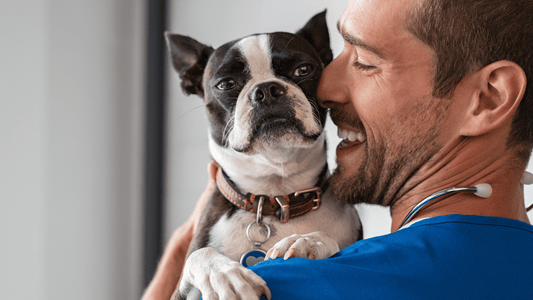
260 91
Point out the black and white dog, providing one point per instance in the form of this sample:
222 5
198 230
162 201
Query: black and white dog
266 134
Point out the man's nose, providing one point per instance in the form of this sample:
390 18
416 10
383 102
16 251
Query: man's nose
332 90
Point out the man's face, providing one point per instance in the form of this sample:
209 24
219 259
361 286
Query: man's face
379 89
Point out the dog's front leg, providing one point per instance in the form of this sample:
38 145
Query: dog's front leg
218 277
315 245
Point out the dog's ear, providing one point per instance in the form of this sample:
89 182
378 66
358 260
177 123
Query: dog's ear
189 58
316 33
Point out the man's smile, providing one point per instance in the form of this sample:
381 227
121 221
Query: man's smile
349 136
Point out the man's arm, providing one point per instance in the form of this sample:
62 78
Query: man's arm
170 267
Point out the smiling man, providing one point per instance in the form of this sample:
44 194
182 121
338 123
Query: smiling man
432 118
428 95
422 131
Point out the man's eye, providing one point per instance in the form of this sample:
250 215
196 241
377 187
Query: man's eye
226 84
363 67
303 70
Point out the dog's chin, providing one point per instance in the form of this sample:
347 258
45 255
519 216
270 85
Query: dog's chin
272 138
276 129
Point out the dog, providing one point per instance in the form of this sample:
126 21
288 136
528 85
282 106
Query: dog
266 133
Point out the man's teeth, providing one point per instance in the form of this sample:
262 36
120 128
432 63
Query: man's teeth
351 136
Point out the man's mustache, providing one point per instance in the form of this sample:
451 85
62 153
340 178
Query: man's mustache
350 119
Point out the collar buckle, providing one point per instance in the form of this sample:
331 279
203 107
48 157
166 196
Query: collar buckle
318 195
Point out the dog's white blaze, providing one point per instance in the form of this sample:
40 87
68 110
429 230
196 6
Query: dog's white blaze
256 51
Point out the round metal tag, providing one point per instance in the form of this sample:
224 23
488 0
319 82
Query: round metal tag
252 257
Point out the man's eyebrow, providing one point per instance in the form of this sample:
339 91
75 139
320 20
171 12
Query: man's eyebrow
355 41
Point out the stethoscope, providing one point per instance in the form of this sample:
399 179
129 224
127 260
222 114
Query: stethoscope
483 190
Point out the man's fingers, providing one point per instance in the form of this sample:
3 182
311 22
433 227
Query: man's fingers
212 169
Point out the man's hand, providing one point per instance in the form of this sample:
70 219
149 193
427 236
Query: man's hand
171 265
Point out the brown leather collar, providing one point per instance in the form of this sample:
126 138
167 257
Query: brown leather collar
284 206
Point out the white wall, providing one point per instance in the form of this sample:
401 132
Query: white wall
71 93
215 23
22 147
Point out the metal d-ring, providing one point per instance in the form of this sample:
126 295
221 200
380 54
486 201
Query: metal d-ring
258 242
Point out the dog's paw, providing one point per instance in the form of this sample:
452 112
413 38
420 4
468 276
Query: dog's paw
315 245
218 277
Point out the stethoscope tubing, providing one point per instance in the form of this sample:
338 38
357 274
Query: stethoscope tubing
433 197
483 190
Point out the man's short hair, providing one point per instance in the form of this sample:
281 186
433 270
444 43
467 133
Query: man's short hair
467 35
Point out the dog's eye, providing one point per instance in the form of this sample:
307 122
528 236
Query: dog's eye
303 70
226 84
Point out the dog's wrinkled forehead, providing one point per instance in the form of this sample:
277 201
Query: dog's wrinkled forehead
259 56
225 60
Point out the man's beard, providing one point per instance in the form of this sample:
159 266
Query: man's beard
386 165
378 180
356 187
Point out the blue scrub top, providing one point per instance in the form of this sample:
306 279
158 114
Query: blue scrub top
448 257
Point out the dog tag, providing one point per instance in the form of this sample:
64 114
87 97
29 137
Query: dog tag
252 257
256 255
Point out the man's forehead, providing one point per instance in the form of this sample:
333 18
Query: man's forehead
385 6
375 23
353 39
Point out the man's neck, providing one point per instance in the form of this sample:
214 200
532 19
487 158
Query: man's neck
463 164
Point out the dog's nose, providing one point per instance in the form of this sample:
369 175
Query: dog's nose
267 93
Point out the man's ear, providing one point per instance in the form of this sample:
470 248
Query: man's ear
316 33
189 58
500 88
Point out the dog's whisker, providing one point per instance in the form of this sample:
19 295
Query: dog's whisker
190 110
287 45
303 80
247 116
227 130
316 117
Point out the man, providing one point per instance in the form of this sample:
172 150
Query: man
438 87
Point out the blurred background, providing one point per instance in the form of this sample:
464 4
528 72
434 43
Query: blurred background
88 196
